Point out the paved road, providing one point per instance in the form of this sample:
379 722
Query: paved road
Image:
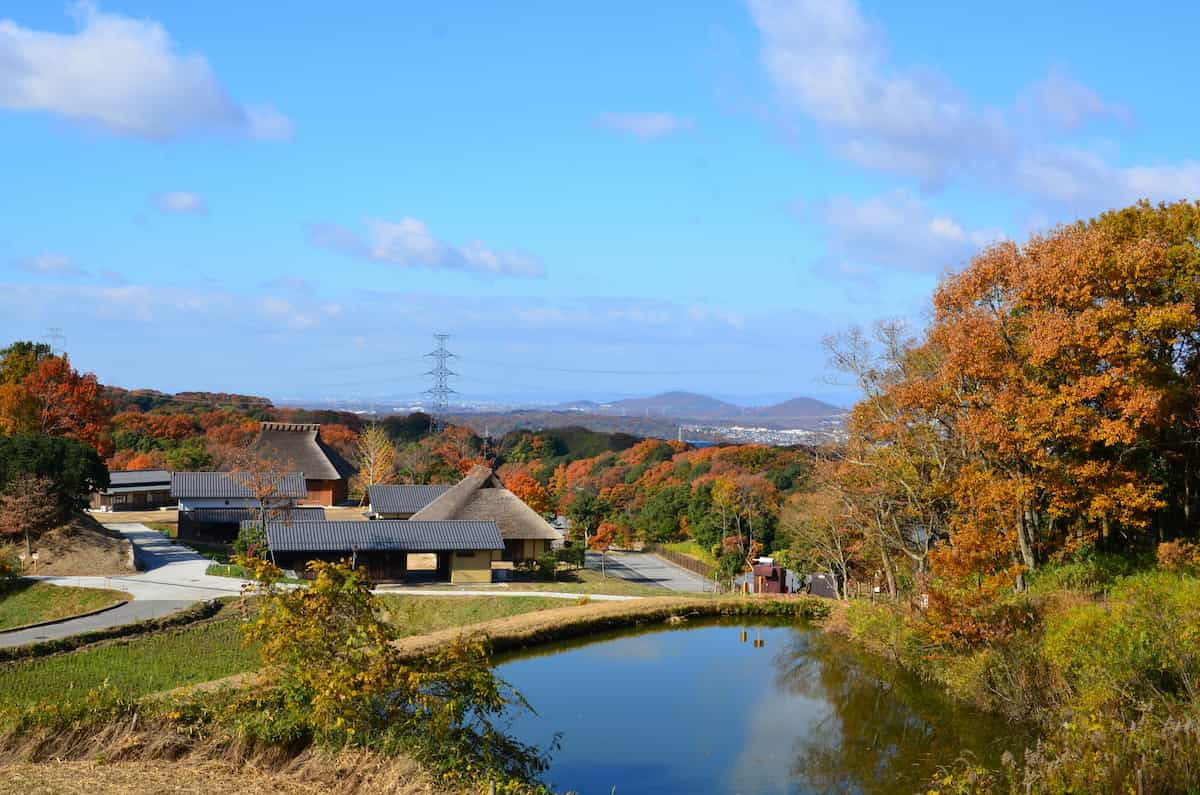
171 579
642 567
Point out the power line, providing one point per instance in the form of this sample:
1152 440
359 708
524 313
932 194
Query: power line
593 371
439 394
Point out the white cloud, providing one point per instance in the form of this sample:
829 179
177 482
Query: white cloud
49 264
284 312
125 75
269 124
829 60
832 62
1083 180
408 243
1069 104
645 126
180 202
896 231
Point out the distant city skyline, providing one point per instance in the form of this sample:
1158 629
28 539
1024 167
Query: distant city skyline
594 202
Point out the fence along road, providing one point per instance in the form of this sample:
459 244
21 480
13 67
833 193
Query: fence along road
648 569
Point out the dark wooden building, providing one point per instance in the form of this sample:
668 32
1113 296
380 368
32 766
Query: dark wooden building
135 490
464 549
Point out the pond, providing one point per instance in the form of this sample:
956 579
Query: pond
728 708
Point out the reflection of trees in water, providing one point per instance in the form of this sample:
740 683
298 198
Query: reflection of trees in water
884 731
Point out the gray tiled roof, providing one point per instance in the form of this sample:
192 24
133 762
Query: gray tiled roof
139 478
238 515
384 534
231 485
402 499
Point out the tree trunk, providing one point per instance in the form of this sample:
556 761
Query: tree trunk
1025 542
889 572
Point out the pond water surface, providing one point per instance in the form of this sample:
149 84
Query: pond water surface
702 710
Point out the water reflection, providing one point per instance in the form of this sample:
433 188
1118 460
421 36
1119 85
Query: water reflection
740 709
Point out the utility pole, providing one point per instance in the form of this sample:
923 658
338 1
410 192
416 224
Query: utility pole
439 394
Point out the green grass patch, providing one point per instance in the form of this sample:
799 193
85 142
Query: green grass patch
238 572
586 581
693 550
418 615
135 667
30 602
166 528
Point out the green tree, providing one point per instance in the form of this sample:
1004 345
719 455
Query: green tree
73 466
586 511
20 359
190 456
660 517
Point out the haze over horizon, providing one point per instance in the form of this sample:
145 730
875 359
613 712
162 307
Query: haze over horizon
595 203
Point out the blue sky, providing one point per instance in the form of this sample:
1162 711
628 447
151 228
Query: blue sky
594 200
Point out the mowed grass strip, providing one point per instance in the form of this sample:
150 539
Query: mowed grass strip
417 615
27 602
135 667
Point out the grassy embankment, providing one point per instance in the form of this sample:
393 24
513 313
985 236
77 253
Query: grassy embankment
24 602
1102 655
693 550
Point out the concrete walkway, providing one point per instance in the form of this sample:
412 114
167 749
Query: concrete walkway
172 578
648 569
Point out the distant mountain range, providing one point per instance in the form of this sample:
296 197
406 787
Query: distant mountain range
693 406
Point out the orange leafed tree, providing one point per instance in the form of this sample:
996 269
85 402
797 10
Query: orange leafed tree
69 404
531 492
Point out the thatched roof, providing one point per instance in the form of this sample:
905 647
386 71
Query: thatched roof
481 496
297 446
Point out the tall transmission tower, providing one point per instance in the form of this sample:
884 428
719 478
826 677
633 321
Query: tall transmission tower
439 394
56 339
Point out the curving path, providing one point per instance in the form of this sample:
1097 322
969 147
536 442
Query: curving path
172 578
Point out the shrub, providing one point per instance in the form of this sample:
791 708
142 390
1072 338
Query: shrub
251 542
1143 645
1179 556
883 630
547 566
1086 572
338 679
571 554
10 566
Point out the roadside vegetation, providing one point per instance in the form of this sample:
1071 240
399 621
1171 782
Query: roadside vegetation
24 602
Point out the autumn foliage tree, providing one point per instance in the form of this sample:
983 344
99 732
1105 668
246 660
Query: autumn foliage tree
28 507
69 404
1051 406
531 492
375 458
